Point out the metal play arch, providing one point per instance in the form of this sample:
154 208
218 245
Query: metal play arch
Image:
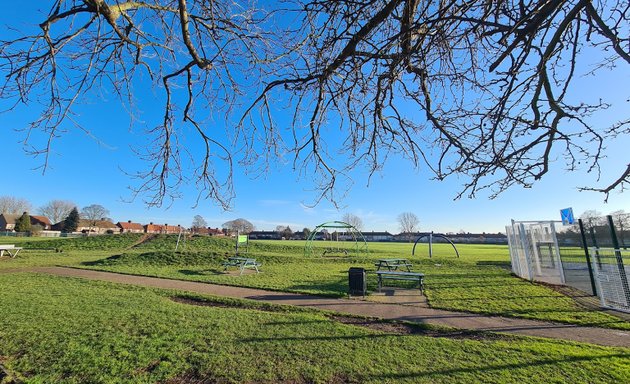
431 235
349 234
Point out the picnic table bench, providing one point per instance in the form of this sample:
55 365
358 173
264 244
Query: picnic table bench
400 275
242 263
393 264
11 249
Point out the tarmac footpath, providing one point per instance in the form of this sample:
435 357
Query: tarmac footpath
402 308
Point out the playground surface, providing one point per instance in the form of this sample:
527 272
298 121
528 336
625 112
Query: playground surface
392 304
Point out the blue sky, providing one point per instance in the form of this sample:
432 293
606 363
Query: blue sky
88 170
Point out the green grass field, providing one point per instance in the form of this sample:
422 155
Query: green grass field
57 329
75 331
479 281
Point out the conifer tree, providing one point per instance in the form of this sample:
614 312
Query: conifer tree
71 223
23 224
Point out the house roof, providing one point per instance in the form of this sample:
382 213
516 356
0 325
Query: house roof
153 227
10 219
131 226
41 219
83 223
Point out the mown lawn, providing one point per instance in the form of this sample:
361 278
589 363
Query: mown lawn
68 330
479 281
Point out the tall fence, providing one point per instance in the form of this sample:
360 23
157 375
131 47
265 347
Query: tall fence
534 251
591 256
612 269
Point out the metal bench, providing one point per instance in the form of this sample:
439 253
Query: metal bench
11 249
400 275
241 263
393 264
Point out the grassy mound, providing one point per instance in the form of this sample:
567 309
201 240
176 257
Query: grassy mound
189 243
101 242
159 258
217 244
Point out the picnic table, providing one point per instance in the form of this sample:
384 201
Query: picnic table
401 275
11 249
241 263
393 264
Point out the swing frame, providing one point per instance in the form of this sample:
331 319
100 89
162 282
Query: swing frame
350 233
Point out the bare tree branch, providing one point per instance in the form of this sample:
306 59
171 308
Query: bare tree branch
484 91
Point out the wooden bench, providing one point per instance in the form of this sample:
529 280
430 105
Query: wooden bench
241 263
400 275
11 249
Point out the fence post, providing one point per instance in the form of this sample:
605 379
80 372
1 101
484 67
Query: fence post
526 250
557 253
588 257
622 270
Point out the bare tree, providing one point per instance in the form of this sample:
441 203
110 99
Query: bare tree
482 90
408 222
14 205
592 218
622 222
241 226
285 232
198 222
197 53
56 210
94 213
476 89
354 220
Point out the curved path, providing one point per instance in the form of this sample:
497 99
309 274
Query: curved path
419 314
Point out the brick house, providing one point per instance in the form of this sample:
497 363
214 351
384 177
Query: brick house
96 226
7 221
129 227
163 228
42 221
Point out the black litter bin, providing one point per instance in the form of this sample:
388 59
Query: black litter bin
357 281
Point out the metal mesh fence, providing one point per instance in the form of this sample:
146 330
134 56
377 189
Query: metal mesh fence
534 251
576 269
611 267
540 253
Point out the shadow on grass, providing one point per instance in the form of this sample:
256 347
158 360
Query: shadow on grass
200 272
501 264
551 363
506 297
459 285
100 262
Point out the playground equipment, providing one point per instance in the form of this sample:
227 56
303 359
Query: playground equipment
431 235
179 238
349 240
